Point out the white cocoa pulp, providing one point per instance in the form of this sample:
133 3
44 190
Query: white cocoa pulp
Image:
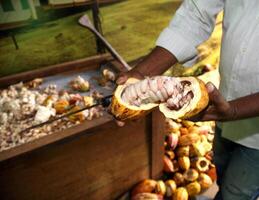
159 89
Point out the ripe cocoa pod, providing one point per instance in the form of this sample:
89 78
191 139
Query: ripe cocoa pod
188 139
168 165
145 186
147 196
193 188
160 188
170 154
61 106
187 123
180 194
170 187
172 126
212 173
178 178
183 151
184 131
184 162
176 166
172 140
205 181
191 175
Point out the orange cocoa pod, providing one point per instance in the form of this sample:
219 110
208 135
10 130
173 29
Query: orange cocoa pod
184 131
212 174
168 165
145 186
61 106
189 139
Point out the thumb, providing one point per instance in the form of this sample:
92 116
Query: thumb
216 98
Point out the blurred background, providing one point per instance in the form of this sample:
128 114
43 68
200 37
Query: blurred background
38 33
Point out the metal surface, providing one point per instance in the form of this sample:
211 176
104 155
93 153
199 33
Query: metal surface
62 82
85 22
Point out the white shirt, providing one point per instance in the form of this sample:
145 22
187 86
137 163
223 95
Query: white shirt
193 23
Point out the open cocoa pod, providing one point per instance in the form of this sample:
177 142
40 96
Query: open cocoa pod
176 97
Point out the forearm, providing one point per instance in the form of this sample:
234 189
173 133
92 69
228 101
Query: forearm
245 107
157 62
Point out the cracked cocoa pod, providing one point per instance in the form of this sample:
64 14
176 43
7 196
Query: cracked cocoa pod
177 98
201 164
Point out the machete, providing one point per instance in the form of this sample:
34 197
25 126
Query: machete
105 102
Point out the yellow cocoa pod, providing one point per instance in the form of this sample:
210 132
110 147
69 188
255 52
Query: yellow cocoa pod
205 181
184 162
183 151
170 187
193 188
123 110
160 188
188 139
180 194
191 175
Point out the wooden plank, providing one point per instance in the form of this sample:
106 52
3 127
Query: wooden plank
77 3
40 142
158 130
101 165
85 63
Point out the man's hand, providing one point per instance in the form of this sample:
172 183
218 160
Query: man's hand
218 110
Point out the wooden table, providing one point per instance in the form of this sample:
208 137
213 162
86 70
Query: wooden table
93 160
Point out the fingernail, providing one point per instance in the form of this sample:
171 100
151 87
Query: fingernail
210 87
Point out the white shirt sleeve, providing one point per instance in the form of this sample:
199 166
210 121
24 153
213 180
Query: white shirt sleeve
192 24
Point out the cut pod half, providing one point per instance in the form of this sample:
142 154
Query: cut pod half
124 110
198 102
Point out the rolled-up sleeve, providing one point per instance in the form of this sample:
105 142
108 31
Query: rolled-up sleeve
192 24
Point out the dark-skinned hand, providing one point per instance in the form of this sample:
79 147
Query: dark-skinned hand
218 110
